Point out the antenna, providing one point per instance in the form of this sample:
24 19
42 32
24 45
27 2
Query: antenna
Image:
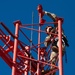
31 38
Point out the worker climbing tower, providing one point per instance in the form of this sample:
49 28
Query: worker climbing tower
24 51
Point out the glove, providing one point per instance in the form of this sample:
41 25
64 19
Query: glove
45 12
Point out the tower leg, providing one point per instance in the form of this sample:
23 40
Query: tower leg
60 46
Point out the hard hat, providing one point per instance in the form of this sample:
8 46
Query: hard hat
42 50
48 29
27 48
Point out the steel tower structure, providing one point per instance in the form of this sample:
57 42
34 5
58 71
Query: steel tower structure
27 62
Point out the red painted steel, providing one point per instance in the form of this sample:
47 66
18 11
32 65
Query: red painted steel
60 46
15 48
12 46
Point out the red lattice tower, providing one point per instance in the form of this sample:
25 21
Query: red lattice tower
23 61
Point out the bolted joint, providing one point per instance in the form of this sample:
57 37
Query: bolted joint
39 8
17 22
16 36
60 19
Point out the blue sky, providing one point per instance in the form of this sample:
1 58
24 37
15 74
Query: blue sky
12 10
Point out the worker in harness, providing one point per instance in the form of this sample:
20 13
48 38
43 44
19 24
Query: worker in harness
52 39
